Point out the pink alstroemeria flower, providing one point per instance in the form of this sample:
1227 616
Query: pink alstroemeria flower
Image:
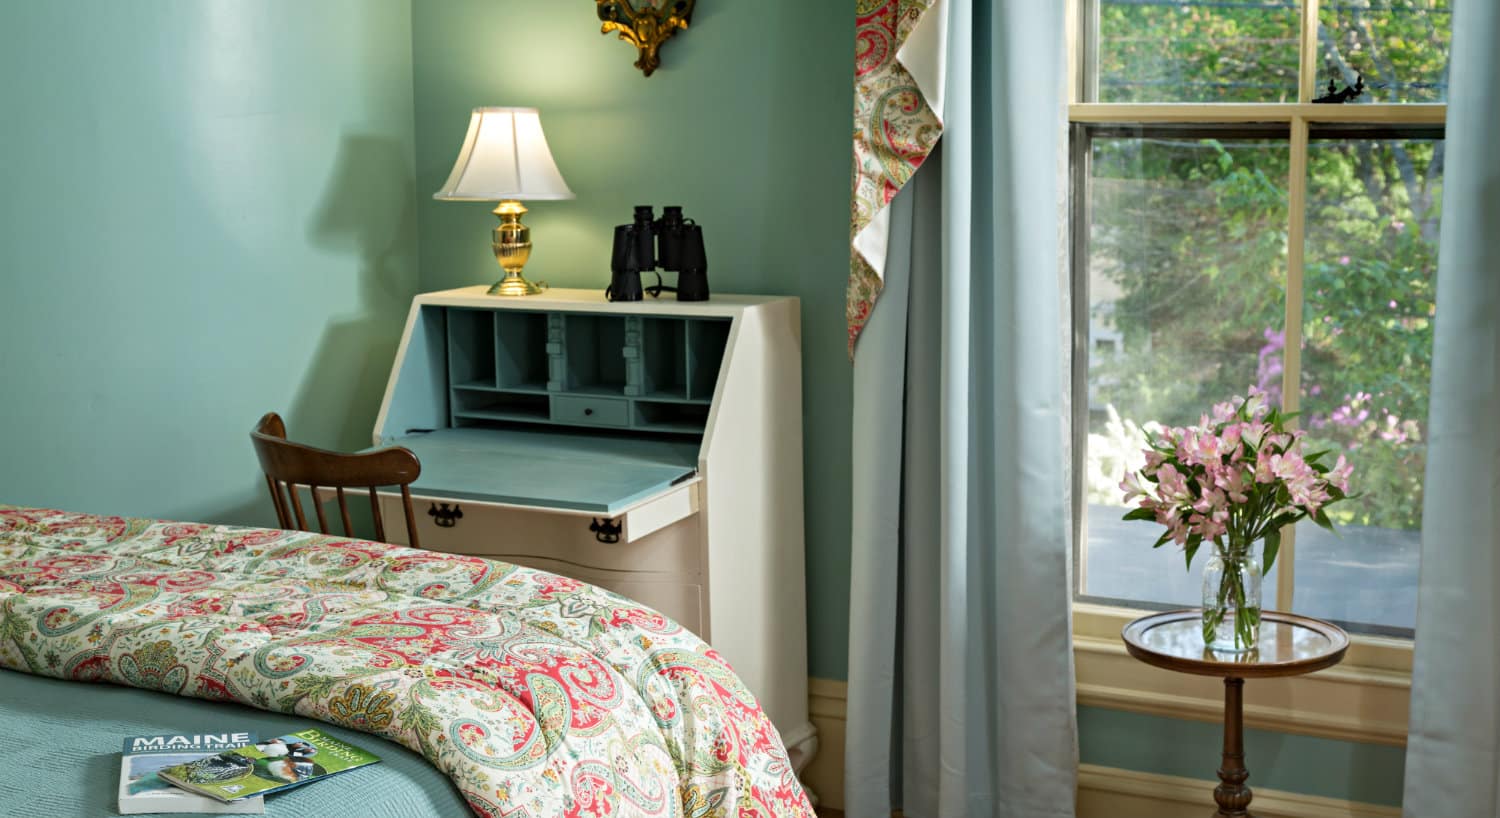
1235 482
1211 499
1252 434
1339 474
1202 449
1263 466
1171 485
1255 405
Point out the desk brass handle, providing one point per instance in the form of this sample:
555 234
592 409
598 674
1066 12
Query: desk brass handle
606 530
445 517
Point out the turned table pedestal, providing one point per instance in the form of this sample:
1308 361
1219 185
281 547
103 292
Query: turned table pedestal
1289 645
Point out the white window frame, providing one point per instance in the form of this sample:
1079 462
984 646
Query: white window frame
1366 697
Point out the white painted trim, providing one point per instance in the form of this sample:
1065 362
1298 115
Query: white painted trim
1117 793
578 300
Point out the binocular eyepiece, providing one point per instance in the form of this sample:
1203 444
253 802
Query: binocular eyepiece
672 243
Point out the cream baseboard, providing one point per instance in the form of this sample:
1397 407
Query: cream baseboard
1116 793
827 706
1102 791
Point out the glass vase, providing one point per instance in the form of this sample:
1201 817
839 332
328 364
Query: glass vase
1231 602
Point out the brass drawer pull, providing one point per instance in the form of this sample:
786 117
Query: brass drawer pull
606 531
445 517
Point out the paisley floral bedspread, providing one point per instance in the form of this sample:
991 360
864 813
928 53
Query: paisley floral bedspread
538 695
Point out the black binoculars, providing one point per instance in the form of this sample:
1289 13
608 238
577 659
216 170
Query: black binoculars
672 243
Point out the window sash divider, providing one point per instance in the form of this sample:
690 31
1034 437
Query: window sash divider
1210 112
1291 373
1307 70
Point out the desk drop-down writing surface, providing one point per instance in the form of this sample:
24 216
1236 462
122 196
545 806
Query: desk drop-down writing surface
562 470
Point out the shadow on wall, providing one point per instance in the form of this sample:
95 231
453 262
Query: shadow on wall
366 211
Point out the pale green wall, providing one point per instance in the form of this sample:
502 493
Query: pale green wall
207 214
211 206
746 125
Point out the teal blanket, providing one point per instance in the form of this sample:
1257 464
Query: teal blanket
60 754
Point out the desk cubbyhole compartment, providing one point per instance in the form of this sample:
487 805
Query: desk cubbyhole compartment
675 417
664 359
487 407
594 354
521 350
706 339
471 348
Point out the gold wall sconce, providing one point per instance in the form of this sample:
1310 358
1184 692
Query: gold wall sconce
645 24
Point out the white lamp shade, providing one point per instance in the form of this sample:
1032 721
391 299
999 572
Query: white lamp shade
505 156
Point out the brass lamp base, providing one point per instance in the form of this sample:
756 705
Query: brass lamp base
516 284
512 245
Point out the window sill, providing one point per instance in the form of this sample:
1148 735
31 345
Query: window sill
1365 698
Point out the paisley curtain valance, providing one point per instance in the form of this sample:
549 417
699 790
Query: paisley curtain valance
898 88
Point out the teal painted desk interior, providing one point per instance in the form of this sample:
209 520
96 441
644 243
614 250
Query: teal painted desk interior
562 469
567 410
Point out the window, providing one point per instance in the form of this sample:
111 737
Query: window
1229 231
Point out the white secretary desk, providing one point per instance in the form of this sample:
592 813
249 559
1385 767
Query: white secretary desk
652 448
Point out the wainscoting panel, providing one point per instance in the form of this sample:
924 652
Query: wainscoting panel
1109 792
1103 792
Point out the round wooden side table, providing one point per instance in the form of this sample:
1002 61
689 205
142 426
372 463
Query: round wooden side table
1289 645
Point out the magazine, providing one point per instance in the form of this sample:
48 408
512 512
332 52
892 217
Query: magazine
268 766
142 757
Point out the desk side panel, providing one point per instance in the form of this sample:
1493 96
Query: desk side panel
417 395
752 469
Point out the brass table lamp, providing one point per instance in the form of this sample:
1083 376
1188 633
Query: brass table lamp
505 158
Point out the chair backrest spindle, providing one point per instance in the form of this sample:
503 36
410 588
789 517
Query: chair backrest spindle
375 512
344 513
281 516
291 491
318 507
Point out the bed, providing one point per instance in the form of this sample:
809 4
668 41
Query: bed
535 694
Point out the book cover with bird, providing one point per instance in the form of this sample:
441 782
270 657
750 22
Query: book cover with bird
261 768
143 790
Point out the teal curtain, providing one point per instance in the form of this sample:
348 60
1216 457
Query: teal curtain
961 678
1453 747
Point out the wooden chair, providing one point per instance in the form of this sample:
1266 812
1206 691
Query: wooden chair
289 464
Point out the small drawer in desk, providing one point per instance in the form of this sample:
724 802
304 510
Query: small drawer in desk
590 411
